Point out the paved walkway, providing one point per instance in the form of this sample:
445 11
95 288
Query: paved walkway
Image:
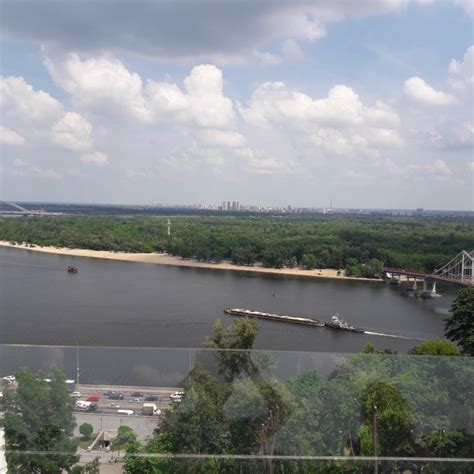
142 425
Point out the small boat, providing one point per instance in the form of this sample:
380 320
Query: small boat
72 269
338 323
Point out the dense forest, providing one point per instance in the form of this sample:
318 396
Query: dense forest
360 244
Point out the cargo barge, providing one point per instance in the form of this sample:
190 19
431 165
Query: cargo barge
336 321
251 313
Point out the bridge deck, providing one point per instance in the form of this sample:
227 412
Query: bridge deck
466 281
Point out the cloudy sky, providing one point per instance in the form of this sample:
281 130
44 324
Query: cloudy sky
272 102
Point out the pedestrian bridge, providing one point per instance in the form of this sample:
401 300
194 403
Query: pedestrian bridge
458 271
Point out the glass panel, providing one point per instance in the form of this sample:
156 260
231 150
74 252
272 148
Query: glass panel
200 410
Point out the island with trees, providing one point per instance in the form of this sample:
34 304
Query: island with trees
361 245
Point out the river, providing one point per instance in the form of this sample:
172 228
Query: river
113 303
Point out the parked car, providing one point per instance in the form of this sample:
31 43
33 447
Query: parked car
114 405
76 395
136 394
93 398
116 396
152 398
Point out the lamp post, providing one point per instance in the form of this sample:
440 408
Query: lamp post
374 438
77 366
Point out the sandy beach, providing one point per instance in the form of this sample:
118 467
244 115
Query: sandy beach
165 259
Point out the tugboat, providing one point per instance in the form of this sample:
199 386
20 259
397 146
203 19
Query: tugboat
72 269
338 323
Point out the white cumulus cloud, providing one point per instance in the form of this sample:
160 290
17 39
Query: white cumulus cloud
10 137
418 91
103 84
73 132
337 124
461 73
467 5
97 159
220 138
20 101
202 104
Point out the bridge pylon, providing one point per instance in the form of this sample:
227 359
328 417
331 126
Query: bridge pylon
459 268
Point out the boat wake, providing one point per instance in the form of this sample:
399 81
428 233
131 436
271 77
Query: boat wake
395 336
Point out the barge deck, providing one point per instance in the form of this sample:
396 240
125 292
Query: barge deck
274 317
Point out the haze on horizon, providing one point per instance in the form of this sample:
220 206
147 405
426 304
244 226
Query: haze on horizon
272 102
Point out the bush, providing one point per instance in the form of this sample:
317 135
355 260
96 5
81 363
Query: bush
86 430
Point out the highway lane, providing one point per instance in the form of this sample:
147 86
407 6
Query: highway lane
128 402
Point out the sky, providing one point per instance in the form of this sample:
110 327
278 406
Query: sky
368 104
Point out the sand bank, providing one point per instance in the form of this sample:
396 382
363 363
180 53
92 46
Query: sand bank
165 259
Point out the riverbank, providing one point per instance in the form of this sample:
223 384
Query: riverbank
165 259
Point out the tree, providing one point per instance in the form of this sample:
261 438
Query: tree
436 347
125 435
232 360
449 444
309 261
86 430
39 417
460 325
92 467
384 409
134 463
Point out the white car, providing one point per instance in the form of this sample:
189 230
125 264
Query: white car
114 405
76 395
136 400
177 396
9 378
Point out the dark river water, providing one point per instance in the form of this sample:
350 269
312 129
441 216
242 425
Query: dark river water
111 303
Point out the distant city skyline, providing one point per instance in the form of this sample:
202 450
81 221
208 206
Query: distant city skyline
274 102
241 207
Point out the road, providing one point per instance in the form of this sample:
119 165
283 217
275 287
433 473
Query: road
163 394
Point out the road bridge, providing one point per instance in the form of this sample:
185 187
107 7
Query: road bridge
17 209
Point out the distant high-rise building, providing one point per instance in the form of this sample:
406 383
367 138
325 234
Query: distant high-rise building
420 211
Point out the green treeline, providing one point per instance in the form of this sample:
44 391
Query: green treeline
361 245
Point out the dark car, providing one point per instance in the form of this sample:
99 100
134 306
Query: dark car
137 394
116 396
152 398
108 393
